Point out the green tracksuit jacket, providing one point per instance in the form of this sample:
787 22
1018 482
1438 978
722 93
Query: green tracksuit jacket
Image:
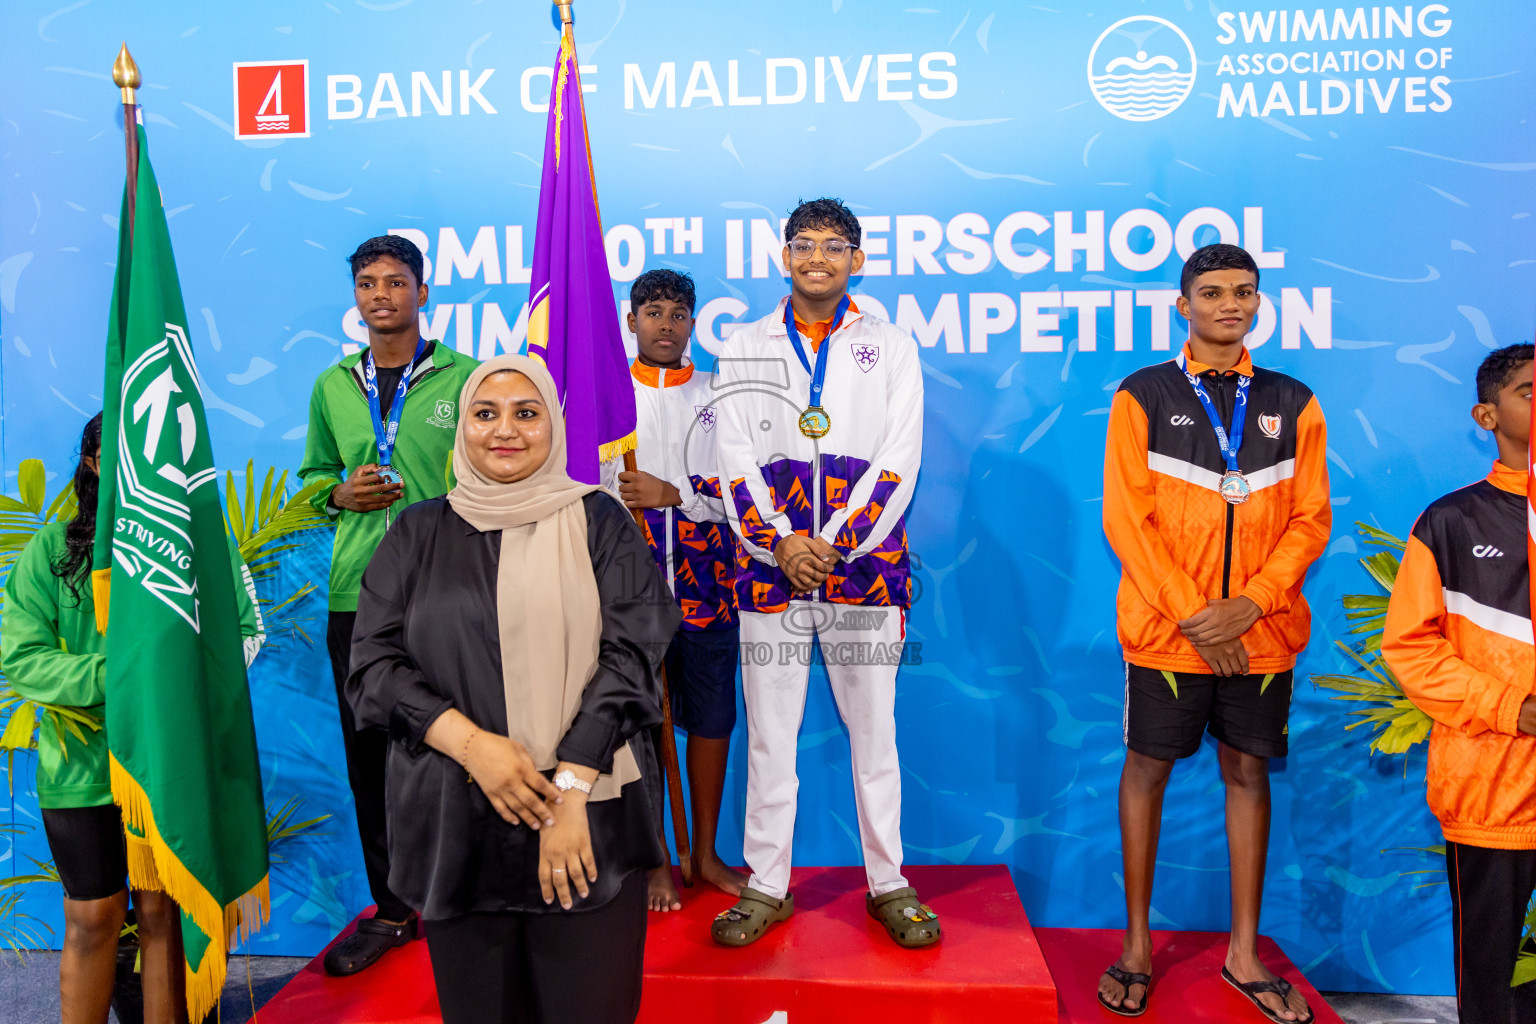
51 653
341 438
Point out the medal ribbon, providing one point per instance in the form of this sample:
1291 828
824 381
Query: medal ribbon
1229 445
384 433
819 374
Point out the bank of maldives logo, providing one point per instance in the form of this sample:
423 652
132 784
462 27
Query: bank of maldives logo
1141 68
272 99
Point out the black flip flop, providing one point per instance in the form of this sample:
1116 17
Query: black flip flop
1126 979
1254 989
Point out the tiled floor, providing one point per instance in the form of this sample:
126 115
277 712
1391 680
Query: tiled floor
29 987
1375 1008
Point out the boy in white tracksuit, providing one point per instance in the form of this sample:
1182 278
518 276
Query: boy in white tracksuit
820 438
675 483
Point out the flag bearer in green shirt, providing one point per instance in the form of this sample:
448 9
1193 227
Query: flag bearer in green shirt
51 653
381 429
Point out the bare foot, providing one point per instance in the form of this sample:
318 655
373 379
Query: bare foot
1127 998
720 874
660 891
1248 969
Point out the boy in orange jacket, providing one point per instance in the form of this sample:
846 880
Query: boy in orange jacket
1458 637
1216 502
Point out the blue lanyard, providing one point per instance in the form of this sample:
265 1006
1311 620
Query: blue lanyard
818 375
1229 446
384 433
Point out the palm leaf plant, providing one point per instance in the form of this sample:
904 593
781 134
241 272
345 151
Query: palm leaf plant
1395 723
23 718
282 828
20 931
22 517
261 524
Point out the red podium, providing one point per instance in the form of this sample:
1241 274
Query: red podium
1187 988
830 964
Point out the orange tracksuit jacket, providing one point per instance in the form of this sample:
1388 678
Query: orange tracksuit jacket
1458 637
1180 543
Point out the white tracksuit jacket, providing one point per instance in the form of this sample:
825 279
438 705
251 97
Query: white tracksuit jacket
675 441
850 487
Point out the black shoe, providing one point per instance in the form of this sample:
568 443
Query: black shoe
363 948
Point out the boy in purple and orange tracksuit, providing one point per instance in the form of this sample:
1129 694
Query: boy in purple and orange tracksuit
685 523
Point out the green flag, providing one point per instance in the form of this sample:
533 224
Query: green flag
179 727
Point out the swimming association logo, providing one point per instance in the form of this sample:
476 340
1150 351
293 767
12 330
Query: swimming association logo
1141 68
272 99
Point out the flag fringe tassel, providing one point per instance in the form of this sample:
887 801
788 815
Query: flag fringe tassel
101 594
152 866
616 449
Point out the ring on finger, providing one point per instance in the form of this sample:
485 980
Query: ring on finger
558 871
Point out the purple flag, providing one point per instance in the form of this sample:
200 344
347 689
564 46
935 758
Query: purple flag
573 320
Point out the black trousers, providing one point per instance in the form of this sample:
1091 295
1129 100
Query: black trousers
366 752
1490 890
561 968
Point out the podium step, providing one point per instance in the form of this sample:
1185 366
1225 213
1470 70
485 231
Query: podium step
1187 987
829 964
832 964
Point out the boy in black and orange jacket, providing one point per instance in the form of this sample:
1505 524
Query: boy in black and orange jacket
1216 502
1458 637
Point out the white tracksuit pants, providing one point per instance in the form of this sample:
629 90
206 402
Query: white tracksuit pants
862 647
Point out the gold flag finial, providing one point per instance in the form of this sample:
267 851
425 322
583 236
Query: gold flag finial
126 74
565 13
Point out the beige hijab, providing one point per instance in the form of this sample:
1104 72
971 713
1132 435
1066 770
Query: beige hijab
547 609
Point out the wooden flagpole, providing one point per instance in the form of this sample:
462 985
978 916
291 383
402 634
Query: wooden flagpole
670 770
125 74
669 764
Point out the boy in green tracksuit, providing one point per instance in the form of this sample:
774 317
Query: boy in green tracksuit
51 653
381 430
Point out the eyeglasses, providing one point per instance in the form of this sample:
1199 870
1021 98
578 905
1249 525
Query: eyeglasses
833 249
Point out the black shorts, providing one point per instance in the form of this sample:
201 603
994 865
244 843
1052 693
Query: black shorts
701 673
1167 713
89 850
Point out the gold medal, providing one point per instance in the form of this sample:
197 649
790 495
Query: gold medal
815 422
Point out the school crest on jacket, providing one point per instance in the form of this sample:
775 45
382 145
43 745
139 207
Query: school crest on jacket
693 547
850 488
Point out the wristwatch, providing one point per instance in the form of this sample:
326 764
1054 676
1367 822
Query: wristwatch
566 780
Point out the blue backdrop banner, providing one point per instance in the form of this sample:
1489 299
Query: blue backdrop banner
1028 180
